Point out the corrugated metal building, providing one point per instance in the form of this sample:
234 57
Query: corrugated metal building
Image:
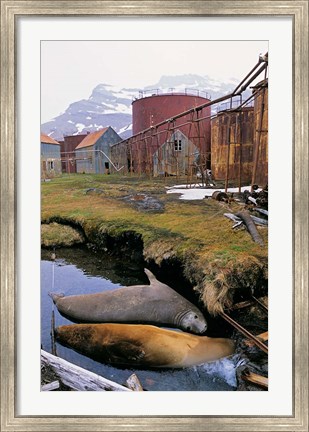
232 144
93 154
50 157
239 141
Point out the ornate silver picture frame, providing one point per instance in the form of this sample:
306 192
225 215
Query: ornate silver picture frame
10 11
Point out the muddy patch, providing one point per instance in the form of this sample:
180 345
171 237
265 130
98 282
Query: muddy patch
144 202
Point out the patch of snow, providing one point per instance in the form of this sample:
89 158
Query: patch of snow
109 111
123 108
108 105
88 118
125 128
80 126
70 121
198 192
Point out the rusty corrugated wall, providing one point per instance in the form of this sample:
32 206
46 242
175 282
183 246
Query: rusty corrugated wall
261 132
232 134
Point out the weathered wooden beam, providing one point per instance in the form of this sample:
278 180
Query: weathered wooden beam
245 217
237 219
50 386
262 211
242 305
134 383
256 379
78 378
263 337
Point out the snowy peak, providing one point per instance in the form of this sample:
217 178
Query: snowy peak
111 99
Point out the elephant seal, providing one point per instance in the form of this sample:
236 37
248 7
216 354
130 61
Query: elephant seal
142 345
156 303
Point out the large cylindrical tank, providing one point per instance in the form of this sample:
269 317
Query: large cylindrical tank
149 111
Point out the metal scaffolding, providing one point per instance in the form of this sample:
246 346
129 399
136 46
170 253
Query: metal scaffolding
136 154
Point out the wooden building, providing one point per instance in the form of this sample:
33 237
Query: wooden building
93 154
50 157
177 156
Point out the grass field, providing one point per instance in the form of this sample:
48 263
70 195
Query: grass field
216 259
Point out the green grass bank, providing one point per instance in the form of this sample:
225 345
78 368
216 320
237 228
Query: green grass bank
135 216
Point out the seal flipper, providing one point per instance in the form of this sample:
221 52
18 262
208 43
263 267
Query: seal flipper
124 352
150 276
55 296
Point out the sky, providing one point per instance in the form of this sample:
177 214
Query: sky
71 69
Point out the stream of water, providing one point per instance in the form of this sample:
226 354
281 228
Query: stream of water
80 271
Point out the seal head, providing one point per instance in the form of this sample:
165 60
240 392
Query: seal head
192 321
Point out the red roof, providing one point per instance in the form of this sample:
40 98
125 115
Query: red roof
48 140
91 138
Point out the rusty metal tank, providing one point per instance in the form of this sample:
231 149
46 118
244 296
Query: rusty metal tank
150 110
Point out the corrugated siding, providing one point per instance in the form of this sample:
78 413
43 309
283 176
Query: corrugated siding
94 159
238 129
50 160
104 143
50 150
85 161
262 167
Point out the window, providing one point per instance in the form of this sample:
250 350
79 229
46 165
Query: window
177 144
50 165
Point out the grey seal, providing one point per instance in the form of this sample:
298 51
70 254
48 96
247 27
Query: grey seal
156 303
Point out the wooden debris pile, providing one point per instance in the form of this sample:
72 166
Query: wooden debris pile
71 377
250 321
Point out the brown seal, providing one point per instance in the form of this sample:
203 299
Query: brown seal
156 303
142 345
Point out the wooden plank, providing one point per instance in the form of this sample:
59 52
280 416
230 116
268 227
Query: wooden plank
134 383
242 305
78 378
256 379
263 337
50 386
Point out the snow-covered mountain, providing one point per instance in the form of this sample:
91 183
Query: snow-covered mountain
111 106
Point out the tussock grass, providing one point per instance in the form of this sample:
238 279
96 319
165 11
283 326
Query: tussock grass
58 235
217 260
